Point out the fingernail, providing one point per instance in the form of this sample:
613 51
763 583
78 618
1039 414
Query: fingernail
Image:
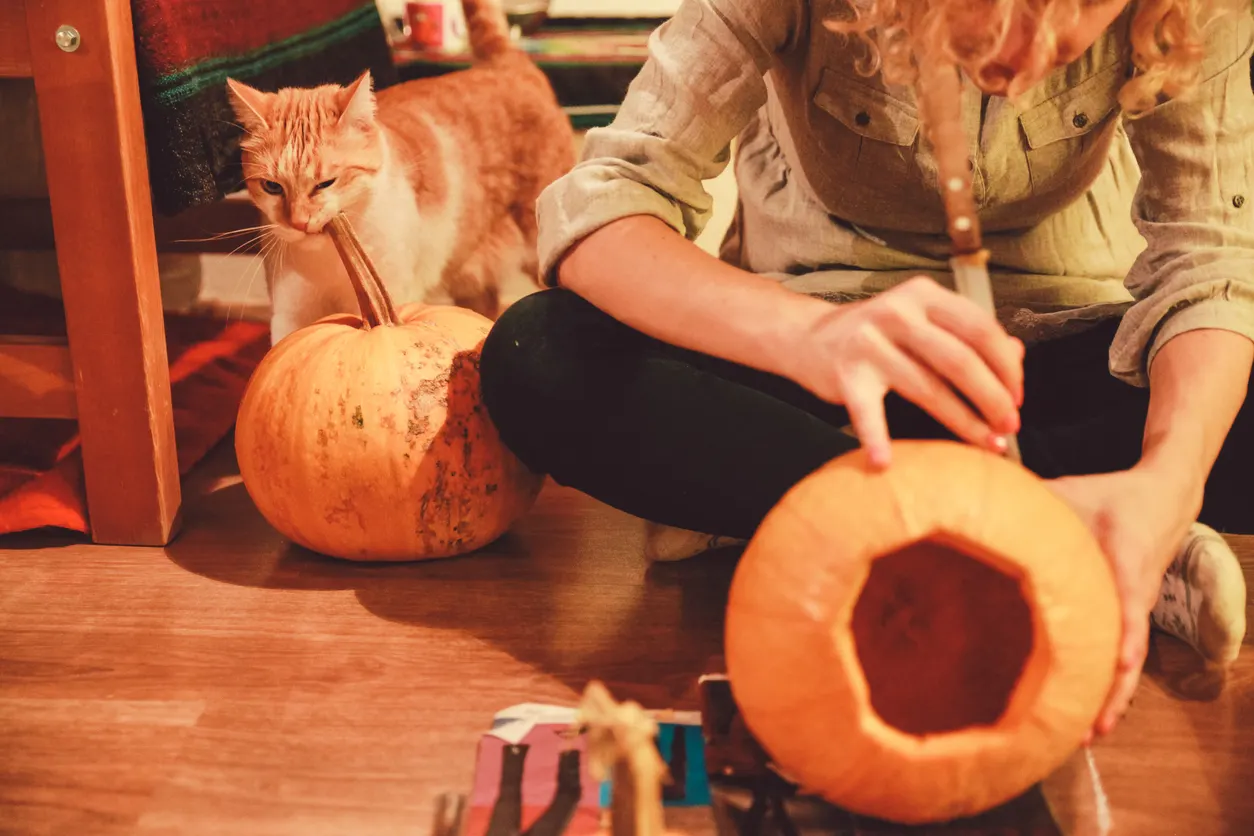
998 443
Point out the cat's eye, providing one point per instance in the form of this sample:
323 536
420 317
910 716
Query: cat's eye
325 184
271 187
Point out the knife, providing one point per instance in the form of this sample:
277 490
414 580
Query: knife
972 281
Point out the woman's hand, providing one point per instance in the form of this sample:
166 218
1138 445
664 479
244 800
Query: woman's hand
1140 520
925 342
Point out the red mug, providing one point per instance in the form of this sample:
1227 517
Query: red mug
426 24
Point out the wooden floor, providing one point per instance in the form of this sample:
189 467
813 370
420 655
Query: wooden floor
233 684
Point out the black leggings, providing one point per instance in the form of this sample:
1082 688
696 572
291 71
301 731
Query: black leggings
688 440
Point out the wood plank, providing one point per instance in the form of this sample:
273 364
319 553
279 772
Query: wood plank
93 136
14 40
26 224
36 379
243 667
1244 547
246 686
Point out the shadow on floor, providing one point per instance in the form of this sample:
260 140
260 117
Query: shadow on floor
569 593
1220 712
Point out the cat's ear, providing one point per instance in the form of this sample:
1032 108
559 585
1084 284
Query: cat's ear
251 105
357 104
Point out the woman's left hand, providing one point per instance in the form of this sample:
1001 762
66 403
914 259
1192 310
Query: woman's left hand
1139 517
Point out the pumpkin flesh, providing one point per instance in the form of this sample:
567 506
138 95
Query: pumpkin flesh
942 639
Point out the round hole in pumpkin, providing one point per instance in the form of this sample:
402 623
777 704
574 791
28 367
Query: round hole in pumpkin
942 637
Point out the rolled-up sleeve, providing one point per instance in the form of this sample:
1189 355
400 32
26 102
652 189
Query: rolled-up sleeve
1195 208
703 80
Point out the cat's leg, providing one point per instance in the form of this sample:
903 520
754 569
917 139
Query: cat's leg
501 272
415 274
517 273
467 288
472 284
517 280
438 294
298 300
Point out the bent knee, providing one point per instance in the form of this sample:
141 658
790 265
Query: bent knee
525 349
538 365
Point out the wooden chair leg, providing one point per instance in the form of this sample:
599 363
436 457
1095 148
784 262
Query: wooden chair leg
93 139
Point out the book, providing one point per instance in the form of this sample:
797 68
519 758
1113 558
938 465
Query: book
532 774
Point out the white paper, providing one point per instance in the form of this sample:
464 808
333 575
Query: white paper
516 722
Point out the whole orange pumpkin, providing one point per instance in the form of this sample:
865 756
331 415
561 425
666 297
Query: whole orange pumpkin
923 643
365 438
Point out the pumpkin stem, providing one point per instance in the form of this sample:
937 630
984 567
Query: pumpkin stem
620 744
372 296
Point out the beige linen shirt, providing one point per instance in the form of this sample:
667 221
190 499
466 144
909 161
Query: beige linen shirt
1087 213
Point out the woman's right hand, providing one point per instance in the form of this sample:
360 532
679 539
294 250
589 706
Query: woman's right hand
924 342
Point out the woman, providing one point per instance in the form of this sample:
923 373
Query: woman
1111 151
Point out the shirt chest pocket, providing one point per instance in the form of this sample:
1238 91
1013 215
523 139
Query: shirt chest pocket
870 135
1067 137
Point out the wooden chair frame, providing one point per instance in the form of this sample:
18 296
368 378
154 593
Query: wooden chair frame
112 372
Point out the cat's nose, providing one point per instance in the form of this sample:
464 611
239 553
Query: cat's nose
300 224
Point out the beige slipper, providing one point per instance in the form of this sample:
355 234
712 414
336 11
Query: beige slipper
666 544
1202 598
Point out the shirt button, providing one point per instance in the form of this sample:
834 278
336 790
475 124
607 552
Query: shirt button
1238 201
1080 120
863 119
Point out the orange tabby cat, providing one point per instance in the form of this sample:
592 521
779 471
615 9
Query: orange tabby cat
438 176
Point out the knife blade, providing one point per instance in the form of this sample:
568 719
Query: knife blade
971 280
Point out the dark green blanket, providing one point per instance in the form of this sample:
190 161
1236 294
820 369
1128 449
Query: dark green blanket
186 49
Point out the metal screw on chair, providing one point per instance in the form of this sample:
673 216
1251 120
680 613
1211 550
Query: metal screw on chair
67 38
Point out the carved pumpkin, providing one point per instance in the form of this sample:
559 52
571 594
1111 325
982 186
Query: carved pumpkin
364 437
923 643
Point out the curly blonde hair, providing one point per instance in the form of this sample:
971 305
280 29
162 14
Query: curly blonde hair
925 42
903 35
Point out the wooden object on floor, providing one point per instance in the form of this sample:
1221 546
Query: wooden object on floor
239 685
621 748
94 150
450 815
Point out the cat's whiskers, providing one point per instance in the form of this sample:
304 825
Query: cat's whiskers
243 129
282 254
263 228
250 242
266 236
273 249
280 251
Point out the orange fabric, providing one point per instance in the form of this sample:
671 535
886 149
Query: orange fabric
41 472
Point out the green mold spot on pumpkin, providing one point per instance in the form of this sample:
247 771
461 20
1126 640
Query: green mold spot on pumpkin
358 420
